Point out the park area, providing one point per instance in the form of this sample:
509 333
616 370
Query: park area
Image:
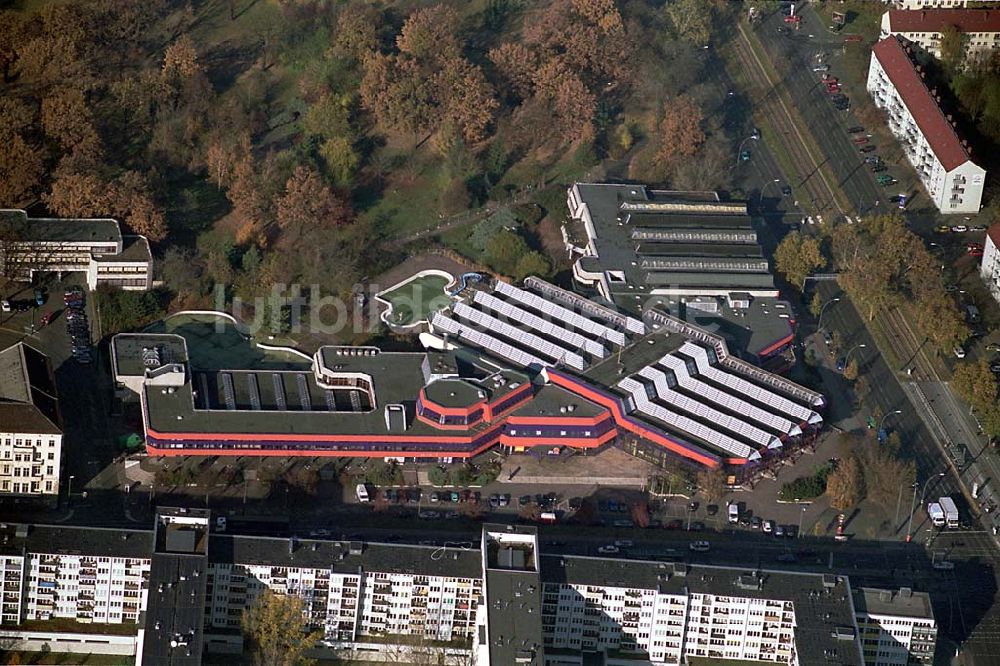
412 302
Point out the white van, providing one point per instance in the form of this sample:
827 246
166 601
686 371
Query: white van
734 512
5 305
821 68
361 492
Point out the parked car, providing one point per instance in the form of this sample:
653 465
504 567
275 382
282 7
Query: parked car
768 526
942 229
504 500
755 523
855 129
699 546
697 526
712 509
624 543
993 346
779 530
959 229
608 550
944 565
745 156
860 140
786 191
674 524
575 503
978 227
524 500
867 149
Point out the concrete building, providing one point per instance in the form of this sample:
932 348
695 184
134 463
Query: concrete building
516 367
943 4
30 426
923 27
505 602
688 252
989 269
896 627
942 160
95 247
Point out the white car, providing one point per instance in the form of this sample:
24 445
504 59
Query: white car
608 550
768 526
960 229
5 305
220 523
699 546
624 543
944 565
959 352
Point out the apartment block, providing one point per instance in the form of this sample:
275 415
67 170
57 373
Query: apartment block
989 269
896 627
95 247
30 426
941 159
944 4
924 27
504 602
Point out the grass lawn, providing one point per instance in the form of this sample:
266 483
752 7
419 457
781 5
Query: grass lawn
415 300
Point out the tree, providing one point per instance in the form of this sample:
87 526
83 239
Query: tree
884 474
532 263
712 483
565 95
691 20
397 93
516 64
180 61
845 485
816 305
851 370
357 31
679 132
67 119
431 33
330 117
797 256
952 45
504 251
132 200
640 514
277 632
309 205
340 159
468 100
79 195
22 166
975 383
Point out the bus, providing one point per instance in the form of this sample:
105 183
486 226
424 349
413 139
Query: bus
361 492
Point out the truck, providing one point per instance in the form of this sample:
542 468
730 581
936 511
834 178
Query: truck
950 512
936 514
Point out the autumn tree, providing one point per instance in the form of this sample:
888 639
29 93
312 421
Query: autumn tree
567 100
277 632
885 473
852 370
133 202
975 383
67 118
516 64
309 205
180 61
797 256
845 484
431 34
356 35
396 93
22 166
79 195
952 44
679 133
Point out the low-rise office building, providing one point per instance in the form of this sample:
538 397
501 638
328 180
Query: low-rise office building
941 159
924 27
184 590
95 247
989 269
896 627
30 426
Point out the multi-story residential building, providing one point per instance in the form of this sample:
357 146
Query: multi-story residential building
896 627
989 269
95 247
942 160
505 602
30 426
923 27
943 4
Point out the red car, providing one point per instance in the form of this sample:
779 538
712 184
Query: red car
860 140
975 253
852 38
47 318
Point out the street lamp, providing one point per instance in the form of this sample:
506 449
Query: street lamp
882 422
798 535
739 148
760 200
69 489
913 508
822 311
847 358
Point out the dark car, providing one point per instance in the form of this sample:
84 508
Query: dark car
524 500
868 149
692 506
878 168
674 524
575 503
786 191
712 509
841 364
697 526
855 129
791 531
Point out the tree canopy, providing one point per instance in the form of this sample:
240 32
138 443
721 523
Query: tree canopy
276 631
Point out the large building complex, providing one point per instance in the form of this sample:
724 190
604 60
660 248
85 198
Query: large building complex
942 160
943 4
989 269
695 254
95 247
30 426
924 27
515 367
505 602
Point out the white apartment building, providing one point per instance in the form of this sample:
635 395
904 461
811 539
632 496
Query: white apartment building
942 160
923 27
95 247
896 627
30 432
86 588
941 4
989 269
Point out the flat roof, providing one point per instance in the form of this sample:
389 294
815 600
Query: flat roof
819 609
127 349
175 611
135 249
902 602
76 540
56 230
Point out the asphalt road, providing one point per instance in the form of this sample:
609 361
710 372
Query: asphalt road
827 124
